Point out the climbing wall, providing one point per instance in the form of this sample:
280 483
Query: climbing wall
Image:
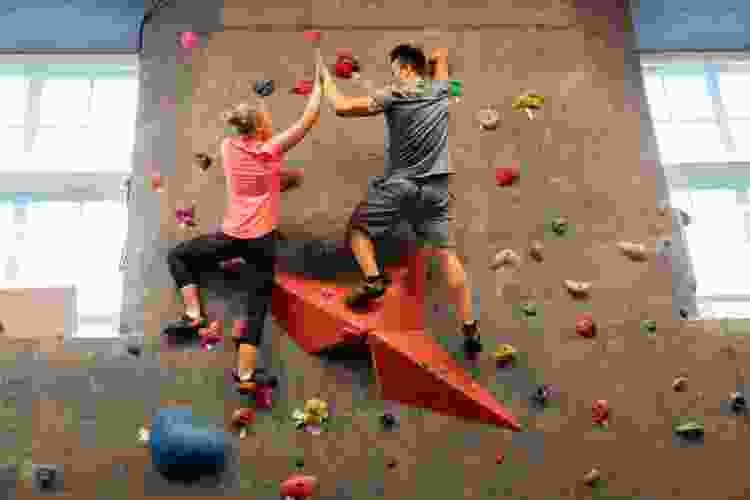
579 159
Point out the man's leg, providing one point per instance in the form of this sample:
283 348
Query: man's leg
375 216
435 225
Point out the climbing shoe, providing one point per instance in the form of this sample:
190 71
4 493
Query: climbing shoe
185 326
369 290
472 341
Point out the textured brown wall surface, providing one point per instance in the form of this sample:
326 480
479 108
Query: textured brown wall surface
581 160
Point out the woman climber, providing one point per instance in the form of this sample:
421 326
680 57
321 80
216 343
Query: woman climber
255 178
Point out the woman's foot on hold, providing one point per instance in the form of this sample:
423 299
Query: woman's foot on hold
187 323
472 341
371 289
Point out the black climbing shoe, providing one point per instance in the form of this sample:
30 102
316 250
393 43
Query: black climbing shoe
367 292
258 376
472 341
185 326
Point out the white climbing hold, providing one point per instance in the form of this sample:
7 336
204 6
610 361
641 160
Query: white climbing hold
577 287
634 251
488 118
144 435
505 258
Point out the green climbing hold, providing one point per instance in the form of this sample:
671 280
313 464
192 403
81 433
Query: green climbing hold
560 225
529 309
299 462
649 325
456 88
689 428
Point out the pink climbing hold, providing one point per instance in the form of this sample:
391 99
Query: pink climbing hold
190 40
263 397
312 36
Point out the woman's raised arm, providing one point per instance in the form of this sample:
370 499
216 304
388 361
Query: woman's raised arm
299 129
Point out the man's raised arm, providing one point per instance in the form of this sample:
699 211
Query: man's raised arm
345 106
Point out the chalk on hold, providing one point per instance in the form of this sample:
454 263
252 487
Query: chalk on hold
634 251
488 118
190 40
577 288
504 258
264 88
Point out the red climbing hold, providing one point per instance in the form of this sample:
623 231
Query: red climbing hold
600 412
312 36
585 326
299 487
344 69
303 87
500 459
505 176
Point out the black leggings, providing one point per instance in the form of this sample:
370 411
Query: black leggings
188 259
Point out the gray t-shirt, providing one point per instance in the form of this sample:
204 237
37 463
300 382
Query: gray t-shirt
416 129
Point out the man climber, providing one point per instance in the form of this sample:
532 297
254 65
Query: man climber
415 186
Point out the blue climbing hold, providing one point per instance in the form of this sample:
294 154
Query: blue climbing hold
176 441
264 88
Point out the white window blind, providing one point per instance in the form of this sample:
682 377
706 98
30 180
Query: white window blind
67 129
702 122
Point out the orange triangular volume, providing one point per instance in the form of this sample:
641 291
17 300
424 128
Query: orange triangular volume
414 370
314 313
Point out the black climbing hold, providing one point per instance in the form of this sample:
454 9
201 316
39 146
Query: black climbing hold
541 394
683 313
392 463
739 403
388 420
134 350
45 477
264 88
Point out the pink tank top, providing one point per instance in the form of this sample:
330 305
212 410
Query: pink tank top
253 173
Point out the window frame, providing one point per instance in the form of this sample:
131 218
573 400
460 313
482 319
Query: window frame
683 175
77 187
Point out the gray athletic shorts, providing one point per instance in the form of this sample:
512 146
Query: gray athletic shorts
426 204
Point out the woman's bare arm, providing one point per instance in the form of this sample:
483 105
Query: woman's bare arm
299 129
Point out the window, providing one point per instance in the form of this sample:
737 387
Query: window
68 126
702 124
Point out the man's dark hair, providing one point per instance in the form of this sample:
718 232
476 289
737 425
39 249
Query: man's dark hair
407 54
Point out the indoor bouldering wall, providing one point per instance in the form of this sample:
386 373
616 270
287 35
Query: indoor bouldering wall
588 157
